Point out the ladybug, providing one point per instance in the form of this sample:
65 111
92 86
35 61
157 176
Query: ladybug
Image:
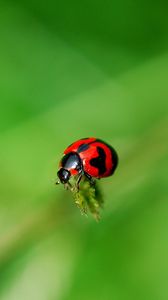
89 157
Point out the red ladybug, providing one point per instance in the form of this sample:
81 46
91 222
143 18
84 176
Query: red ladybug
90 157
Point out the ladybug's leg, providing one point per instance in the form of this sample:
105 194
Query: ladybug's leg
68 186
79 180
90 178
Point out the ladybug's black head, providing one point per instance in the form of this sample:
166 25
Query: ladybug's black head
63 175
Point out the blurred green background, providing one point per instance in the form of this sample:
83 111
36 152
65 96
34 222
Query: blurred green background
68 70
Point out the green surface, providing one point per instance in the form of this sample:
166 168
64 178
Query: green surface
70 70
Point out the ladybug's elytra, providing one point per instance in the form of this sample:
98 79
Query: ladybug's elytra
90 157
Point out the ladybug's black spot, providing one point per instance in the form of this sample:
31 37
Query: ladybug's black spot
83 147
100 161
75 142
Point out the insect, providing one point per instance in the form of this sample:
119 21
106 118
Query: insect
89 157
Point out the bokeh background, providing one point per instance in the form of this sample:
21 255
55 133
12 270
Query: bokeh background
71 69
